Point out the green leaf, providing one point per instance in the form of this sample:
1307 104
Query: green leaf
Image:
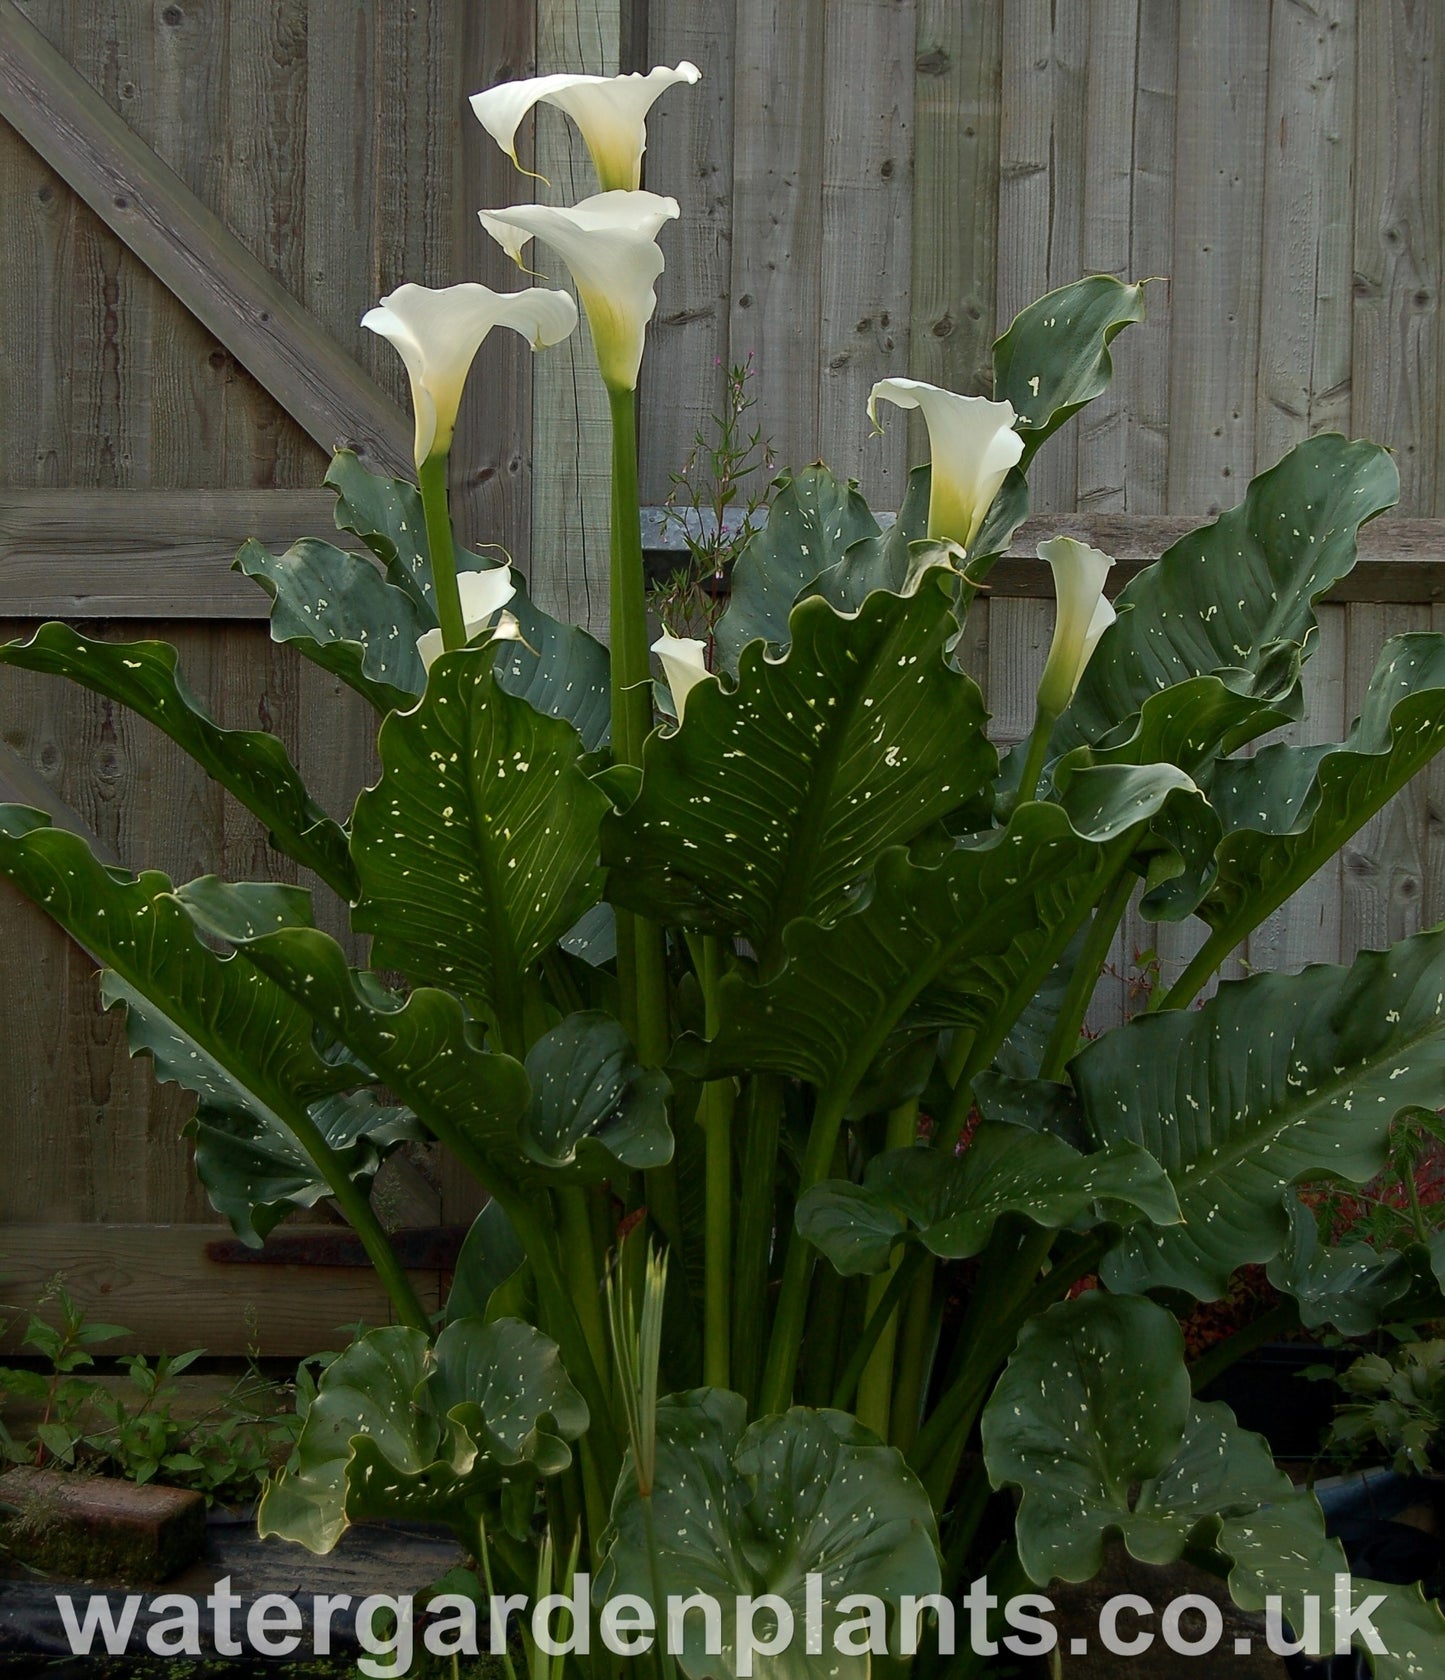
558 669
1274 1078
490 1270
1288 810
386 513
881 559
952 1202
965 941
400 1430
776 797
212 1024
249 763
759 1509
812 522
257 1174
931 946
477 847
595 1112
1236 596
1038 1105
1093 1421
1350 1287
423 1046
1055 356
337 610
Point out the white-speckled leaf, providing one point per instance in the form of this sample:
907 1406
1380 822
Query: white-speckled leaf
1274 1079
755 1509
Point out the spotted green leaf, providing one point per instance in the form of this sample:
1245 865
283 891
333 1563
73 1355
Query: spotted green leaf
776 797
1274 1079
476 849
812 523
752 1509
951 1203
403 1430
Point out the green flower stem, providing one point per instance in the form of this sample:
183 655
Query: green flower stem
882 1317
757 1203
574 1227
715 1113
432 481
1037 753
788 1322
361 1216
875 1387
917 1337
631 672
1064 1039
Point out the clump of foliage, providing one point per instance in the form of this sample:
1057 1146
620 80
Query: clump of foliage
132 1429
1399 1405
735 982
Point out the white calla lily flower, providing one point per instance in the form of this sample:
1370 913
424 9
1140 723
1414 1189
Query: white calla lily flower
483 595
609 242
684 666
1082 617
973 444
437 333
610 113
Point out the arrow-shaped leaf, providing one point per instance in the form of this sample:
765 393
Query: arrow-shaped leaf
1275 1078
775 797
477 847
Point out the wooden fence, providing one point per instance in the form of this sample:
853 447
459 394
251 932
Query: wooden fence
200 198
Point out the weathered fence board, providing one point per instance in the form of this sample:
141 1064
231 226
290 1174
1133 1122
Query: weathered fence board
869 187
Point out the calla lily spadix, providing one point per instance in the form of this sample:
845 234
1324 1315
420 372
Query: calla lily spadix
483 594
973 445
1083 616
684 666
609 242
610 112
437 333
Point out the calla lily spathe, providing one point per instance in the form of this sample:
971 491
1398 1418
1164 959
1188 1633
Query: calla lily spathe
437 333
973 445
1083 615
609 242
610 113
684 666
483 594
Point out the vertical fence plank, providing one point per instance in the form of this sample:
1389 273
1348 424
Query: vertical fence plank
1101 432
1142 355
777 251
492 457
690 155
263 202
956 114
1041 189
570 428
866 234
1215 297
1396 355
1304 332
